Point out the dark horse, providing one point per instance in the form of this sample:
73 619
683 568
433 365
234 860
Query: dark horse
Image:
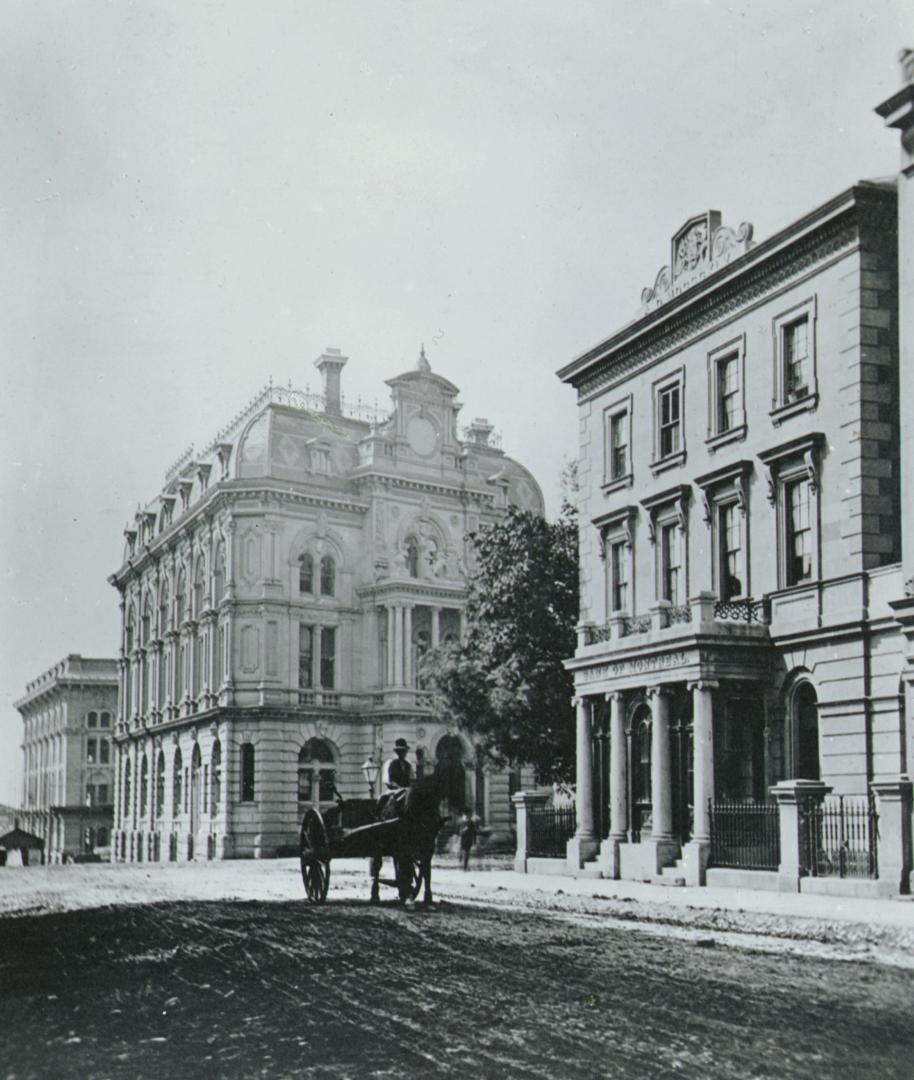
419 819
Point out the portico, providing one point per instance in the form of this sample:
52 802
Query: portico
646 745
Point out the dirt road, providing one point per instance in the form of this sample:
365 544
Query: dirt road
276 989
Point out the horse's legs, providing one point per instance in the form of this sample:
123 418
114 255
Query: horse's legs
375 867
427 874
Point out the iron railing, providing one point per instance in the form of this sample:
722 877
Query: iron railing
549 830
839 837
747 611
745 835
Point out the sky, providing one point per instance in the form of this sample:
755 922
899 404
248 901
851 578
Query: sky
197 197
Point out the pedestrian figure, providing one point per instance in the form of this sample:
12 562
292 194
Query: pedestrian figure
468 830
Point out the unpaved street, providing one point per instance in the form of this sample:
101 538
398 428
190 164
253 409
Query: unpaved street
282 988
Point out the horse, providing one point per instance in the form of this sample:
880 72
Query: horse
417 812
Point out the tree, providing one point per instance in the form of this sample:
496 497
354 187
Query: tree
506 684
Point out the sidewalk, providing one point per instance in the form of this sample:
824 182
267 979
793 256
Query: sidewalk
898 911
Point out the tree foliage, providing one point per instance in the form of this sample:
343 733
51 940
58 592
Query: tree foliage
506 684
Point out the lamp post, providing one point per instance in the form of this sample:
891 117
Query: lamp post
371 769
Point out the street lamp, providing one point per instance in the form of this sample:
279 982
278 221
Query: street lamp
371 769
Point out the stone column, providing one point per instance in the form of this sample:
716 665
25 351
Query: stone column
893 804
225 839
524 802
463 624
661 801
583 845
610 856
698 850
790 796
436 627
398 645
408 645
391 634
316 658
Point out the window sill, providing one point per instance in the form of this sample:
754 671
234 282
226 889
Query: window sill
609 486
783 412
669 462
734 434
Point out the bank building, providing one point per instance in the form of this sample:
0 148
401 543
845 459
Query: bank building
747 552
277 597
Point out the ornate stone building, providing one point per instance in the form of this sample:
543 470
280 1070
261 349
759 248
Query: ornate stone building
68 715
745 507
277 598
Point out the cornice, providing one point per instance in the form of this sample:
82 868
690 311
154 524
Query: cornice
452 491
789 253
411 590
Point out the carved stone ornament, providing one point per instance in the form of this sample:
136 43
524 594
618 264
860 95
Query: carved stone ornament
699 248
909 587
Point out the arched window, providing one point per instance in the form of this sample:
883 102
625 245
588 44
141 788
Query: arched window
198 589
219 574
177 783
215 778
306 573
197 797
160 784
328 576
806 732
316 773
412 556
144 786
146 622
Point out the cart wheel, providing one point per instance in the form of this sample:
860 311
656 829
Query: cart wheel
315 865
408 871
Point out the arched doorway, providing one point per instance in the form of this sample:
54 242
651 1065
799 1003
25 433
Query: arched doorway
316 774
640 772
806 733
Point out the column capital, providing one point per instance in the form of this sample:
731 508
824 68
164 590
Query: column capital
613 695
703 684
658 691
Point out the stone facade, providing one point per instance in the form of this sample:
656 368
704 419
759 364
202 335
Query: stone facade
744 508
69 715
277 598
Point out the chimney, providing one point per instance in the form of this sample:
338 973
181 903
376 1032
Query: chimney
330 363
479 431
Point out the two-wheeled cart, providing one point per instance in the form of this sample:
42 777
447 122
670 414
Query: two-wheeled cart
350 831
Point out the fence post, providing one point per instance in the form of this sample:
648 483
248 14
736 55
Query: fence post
790 796
524 802
893 804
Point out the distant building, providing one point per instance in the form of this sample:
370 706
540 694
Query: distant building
277 598
68 715
746 500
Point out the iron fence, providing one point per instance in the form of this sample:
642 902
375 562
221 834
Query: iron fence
839 837
747 611
549 830
745 835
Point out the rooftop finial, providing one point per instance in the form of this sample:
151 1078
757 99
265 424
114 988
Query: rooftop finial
423 364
